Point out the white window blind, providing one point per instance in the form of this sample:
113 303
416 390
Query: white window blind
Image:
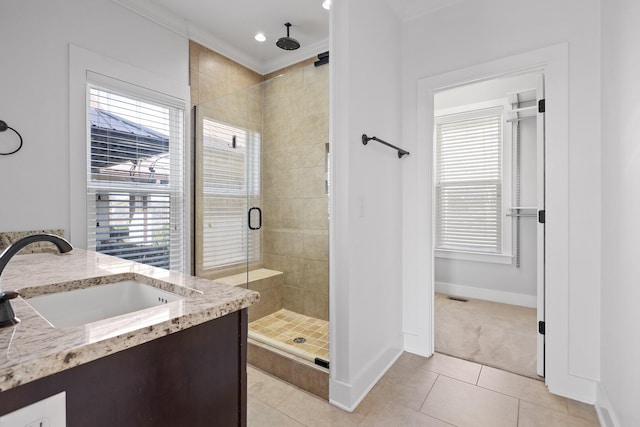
135 178
231 183
469 182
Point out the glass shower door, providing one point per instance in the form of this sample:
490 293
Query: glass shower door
227 183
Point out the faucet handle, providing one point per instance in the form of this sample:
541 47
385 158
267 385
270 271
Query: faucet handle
7 295
7 316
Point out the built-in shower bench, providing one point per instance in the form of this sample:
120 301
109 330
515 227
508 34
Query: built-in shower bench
267 282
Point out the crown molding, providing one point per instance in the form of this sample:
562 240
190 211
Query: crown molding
200 35
156 14
208 40
298 55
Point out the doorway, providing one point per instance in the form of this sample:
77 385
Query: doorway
488 213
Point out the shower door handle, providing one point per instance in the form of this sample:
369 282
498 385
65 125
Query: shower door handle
251 227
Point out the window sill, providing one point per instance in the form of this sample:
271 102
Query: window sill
474 256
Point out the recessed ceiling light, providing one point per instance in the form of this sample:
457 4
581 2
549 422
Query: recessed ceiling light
326 4
260 37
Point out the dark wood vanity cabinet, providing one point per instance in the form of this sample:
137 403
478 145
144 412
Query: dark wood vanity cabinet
195 377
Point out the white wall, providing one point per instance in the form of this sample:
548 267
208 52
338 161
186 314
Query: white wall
490 280
366 198
34 83
620 382
470 33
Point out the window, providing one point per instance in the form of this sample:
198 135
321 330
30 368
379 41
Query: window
231 179
135 177
469 189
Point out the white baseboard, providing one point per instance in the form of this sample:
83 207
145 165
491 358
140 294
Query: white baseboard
606 415
486 294
348 396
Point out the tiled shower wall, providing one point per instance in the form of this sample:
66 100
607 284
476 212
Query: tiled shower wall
294 186
295 133
212 75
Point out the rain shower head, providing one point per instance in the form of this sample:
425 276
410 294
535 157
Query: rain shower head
287 43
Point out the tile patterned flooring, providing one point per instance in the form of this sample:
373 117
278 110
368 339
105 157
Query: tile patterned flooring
284 326
438 391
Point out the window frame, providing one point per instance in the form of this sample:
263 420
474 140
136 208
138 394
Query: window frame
86 65
141 196
470 111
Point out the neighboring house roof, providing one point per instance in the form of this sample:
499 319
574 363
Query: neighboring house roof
118 141
110 121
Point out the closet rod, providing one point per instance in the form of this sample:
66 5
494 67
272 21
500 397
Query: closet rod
517 119
523 109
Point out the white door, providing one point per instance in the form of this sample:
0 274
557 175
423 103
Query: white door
540 228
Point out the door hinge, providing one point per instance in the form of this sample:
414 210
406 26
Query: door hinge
541 106
541 327
541 216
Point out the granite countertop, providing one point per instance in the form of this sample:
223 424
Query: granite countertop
34 349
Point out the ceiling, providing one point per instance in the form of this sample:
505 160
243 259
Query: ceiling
229 27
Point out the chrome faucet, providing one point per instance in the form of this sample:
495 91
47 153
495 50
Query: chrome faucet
7 316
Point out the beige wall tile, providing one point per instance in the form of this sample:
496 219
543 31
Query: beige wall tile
212 63
316 245
194 54
315 74
271 214
210 87
316 98
313 182
293 299
290 243
316 305
309 378
293 213
275 160
293 268
316 277
194 79
270 302
274 262
316 130
316 213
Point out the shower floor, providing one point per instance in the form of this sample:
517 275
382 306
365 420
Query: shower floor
284 326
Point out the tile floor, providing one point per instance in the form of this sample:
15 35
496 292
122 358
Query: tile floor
284 326
416 391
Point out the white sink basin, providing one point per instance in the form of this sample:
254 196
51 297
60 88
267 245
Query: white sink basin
82 306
